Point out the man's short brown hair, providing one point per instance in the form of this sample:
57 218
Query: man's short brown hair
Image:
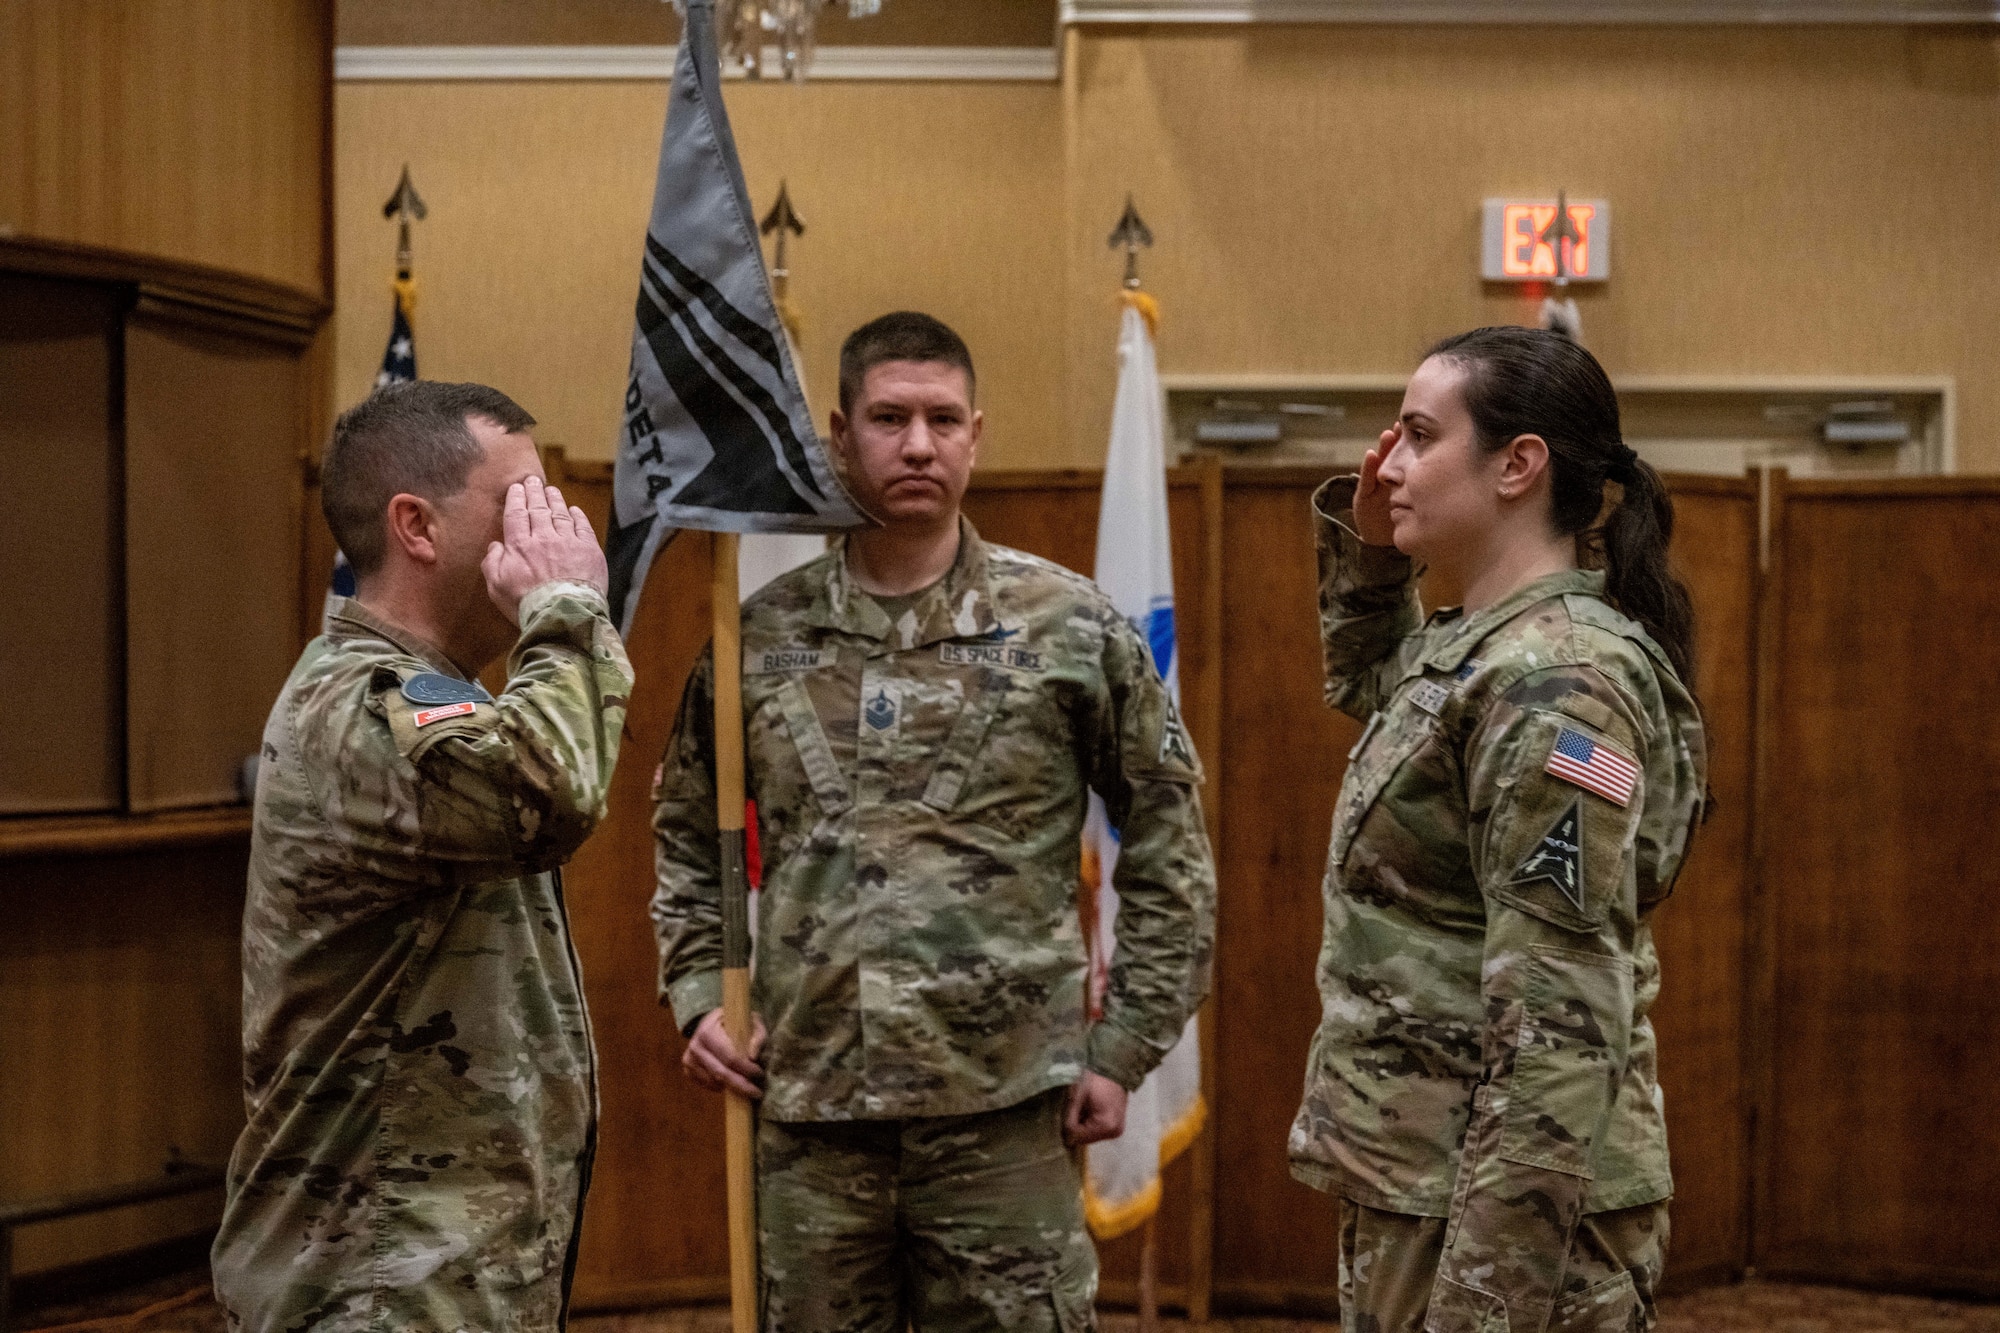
403 438
903 335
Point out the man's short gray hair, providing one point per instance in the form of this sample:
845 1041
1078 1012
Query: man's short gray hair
403 438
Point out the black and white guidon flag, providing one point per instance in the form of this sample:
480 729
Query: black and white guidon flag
716 434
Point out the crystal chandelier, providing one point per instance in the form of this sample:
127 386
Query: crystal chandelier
745 28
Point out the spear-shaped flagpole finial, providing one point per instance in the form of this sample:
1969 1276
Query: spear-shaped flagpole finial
781 219
1131 233
1561 236
403 205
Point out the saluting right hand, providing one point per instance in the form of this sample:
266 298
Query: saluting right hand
544 540
1371 497
713 1062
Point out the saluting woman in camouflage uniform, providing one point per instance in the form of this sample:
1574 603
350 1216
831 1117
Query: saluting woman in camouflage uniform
1481 1092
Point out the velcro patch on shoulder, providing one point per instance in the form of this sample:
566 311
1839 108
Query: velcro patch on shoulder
433 687
426 716
1175 747
1558 857
1594 766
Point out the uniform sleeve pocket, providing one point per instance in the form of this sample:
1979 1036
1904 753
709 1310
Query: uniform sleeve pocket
1558 845
1574 1041
1457 1308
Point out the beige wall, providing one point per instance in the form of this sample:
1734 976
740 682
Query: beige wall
1784 200
945 197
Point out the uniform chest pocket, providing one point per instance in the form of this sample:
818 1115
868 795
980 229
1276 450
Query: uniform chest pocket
998 765
1392 741
958 759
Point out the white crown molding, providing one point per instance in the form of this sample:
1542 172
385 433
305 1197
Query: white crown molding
944 63
1533 11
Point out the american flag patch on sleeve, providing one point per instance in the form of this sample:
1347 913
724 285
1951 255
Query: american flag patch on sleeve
1593 767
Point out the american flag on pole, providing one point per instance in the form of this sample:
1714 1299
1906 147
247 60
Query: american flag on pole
399 366
1593 767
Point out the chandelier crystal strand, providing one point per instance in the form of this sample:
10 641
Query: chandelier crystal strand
747 27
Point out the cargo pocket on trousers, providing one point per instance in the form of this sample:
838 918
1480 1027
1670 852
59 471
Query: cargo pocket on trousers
1609 1307
1076 1311
1456 1308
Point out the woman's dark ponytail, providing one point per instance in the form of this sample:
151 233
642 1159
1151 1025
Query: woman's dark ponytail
1636 573
1521 381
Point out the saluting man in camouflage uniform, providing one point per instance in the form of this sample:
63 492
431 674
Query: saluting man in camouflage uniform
417 1060
1481 1092
925 714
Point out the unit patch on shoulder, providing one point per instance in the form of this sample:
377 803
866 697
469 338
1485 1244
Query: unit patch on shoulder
426 716
1174 743
432 687
1558 857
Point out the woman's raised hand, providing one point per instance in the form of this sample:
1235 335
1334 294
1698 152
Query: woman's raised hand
1371 497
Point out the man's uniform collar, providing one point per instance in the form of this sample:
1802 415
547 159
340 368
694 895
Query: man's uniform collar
347 618
957 606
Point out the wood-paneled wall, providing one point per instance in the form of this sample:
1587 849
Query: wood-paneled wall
188 130
1244 563
120 1035
1881 861
174 159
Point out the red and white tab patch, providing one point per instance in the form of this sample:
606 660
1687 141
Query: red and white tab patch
429 715
1593 767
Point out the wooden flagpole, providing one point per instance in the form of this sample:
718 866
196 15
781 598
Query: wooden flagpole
738 1114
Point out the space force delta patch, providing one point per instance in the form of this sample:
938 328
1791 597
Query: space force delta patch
1558 857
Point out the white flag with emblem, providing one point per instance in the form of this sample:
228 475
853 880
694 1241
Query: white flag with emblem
1135 569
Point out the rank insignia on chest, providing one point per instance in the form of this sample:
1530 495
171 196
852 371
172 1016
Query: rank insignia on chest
1558 857
1593 766
880 711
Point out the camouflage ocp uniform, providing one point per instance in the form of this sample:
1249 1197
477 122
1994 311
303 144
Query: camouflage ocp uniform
1519 802
418 1070
921 789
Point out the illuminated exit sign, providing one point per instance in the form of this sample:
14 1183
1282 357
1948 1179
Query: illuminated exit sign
1521 241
